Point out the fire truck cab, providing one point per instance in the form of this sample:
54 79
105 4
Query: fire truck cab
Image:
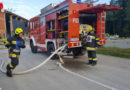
65 23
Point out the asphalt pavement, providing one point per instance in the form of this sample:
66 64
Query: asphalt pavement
110 71
122 43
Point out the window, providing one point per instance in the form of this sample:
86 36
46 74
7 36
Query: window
33 25
0 36
36 24
30 25
53 24
26 24
4 35
43 21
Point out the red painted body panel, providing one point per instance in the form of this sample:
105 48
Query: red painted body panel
41 48
51 17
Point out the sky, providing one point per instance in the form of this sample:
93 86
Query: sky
31 8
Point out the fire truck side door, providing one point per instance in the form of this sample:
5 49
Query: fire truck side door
42 30
37 31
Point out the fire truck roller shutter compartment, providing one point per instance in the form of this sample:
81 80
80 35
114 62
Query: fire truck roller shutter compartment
95 16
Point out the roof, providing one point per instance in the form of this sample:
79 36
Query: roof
100 8
16 15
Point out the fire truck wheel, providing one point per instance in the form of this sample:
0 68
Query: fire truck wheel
50 50
83 51
33 48
76 52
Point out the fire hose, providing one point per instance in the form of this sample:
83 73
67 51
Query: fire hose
34 68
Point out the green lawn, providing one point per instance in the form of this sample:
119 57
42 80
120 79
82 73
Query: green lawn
115 51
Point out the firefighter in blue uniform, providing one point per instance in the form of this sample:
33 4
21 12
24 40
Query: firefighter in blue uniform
14 45
92 45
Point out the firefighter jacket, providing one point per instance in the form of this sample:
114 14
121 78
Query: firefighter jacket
92 42
14 45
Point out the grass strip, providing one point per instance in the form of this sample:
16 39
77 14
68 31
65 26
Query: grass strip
115 51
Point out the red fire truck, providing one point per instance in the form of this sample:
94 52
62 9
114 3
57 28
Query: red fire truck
61 24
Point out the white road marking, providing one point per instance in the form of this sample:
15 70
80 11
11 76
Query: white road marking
91 80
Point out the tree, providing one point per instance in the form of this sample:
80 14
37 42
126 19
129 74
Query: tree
117 21
127 11
127 19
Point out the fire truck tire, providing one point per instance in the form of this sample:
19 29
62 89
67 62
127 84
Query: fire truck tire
51 49
83 51
76 51
33 48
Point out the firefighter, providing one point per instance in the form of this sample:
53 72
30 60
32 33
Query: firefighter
92 45
14 44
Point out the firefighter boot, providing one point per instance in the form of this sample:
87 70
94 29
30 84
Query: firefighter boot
89 62
9 73
94 63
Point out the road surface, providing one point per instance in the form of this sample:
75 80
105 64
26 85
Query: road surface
110 71
124 43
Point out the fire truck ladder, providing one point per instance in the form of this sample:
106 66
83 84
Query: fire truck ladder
102 25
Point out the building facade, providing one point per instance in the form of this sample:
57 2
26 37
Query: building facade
14 21
2 25
9 22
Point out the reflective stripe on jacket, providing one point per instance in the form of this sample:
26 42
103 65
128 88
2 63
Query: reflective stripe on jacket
92 42
14 44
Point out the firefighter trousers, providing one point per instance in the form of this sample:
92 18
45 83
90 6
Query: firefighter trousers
92 55
14 62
